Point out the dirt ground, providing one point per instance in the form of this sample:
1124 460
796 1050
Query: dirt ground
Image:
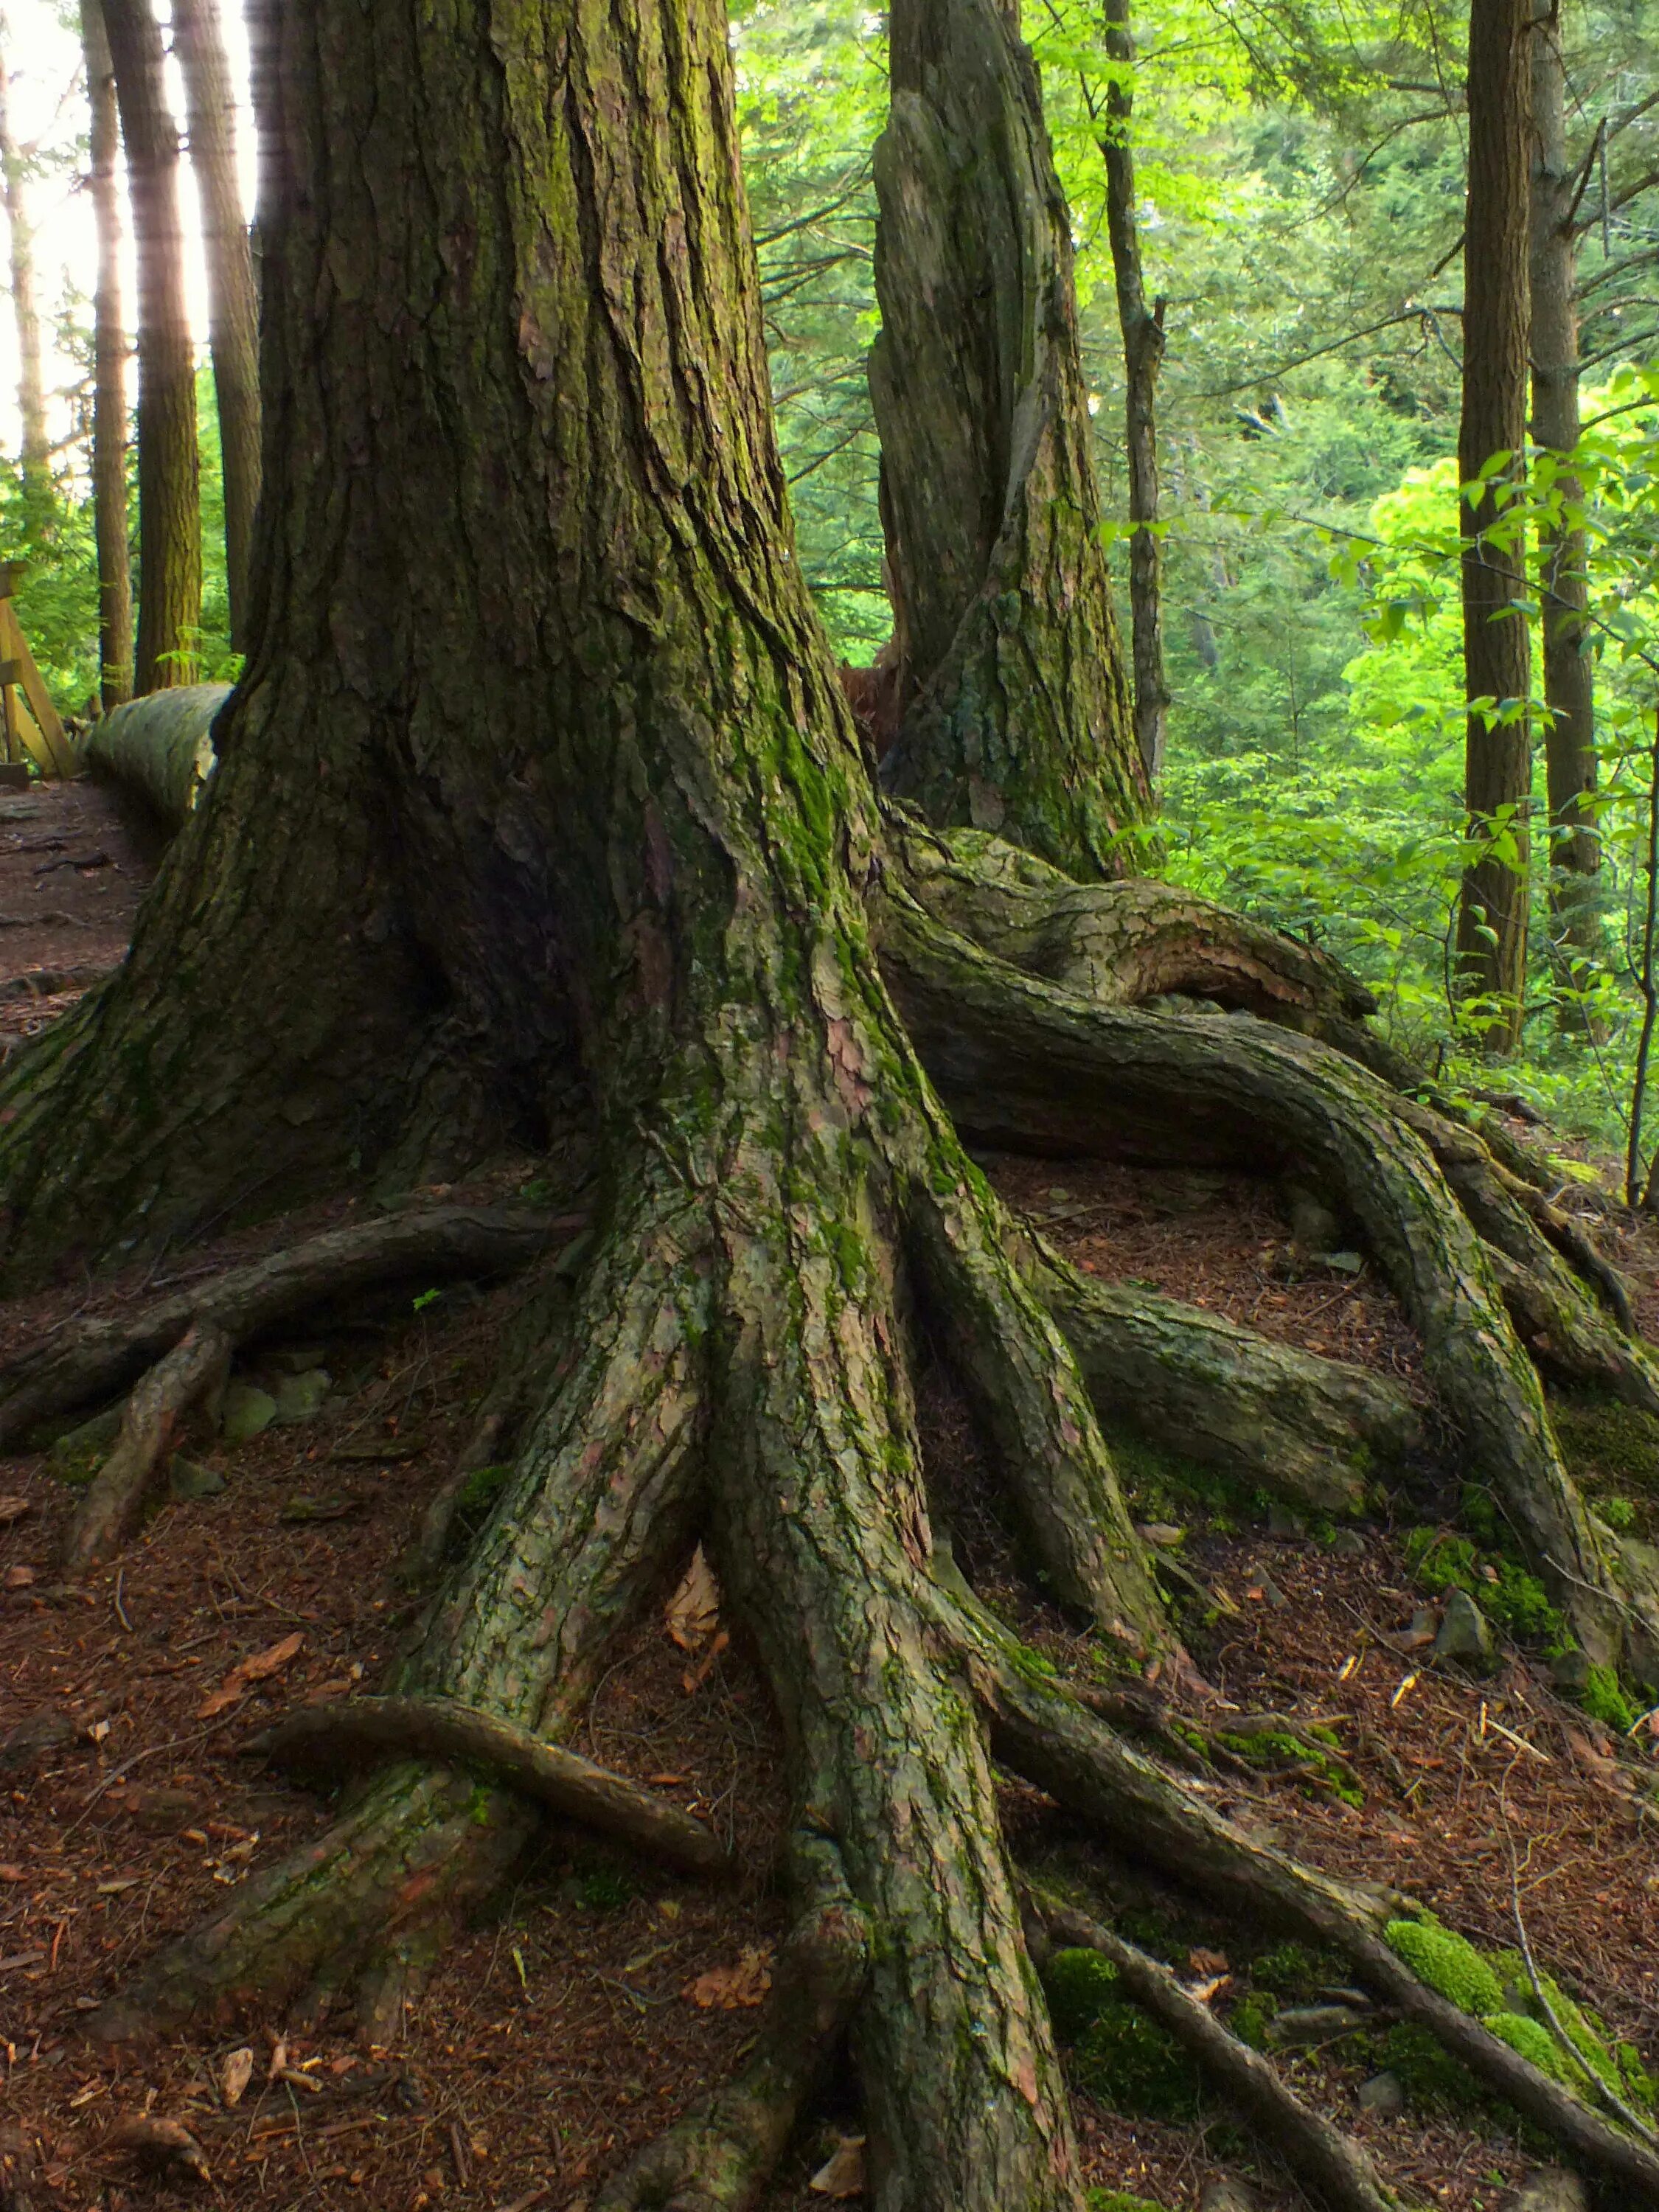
602 1996
74 864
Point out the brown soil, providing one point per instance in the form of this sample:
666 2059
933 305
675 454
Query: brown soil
74 863
561 2034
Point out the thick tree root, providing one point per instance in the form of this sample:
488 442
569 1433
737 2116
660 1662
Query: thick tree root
719 2157
1024 1063
440 1731
1313 1432
151 1422
89 1360
1335 2168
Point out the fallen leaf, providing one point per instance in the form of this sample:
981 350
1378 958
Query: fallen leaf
1205 1992
728 1987
14 1509
12 1873
20 1577
1208 1962
694 1677
235 2074
843 2173
163 2145
692 1614
259 1668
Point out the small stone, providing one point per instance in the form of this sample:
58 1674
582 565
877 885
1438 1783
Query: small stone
1227 2196
162 1812
1551 2189
1314 1227
1283 1522
1268 1587
1464 1635
1424 1627
299 1397
188 1479
91 1438
1347 1544
1164 1535
1315 2023
293 1359
1343 1263
1383 2095
36 1737
248 1412
1571 1672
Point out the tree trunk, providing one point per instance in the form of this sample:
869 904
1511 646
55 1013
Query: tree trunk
169 465
109 405
1575 851
1143 356
233 312
1491 923
31 389
1015 708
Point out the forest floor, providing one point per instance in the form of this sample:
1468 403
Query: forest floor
602 1996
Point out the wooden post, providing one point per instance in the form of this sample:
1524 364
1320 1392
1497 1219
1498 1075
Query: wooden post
33 729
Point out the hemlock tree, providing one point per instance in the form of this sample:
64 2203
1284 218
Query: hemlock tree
233 312
109 404
540 751
1014 714
15 160
1492 914
169 464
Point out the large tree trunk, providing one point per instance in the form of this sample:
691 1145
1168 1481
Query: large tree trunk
1492 914
169 465
582 809
1575 851
31 388
233 313
109 404
1143 355
1015 709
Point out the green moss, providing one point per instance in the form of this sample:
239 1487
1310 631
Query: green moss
1428 2074
1603 1700
1130 2063
1293 1969
1447 1963
1249 2017
1534 2043
605 1890
1080 1984
1512 1598
1119 2200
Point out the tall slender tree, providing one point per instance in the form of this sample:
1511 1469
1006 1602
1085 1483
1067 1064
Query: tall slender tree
1492 914
31 386
233 313
1575 848
1015 711
109 405
169 463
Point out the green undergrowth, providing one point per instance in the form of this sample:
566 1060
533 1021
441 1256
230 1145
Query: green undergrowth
1612 1453
472 1504
1287 1973
1162 1485
1513 1600
1317 1751
1119 2200
1116 2050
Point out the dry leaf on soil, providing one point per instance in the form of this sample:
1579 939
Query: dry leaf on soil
728 1987
165 2146
258 1668
12 1509
235 2074
843 2174
692 1614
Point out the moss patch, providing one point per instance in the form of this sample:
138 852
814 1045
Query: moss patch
1117 2053
1447 1963
1612 1452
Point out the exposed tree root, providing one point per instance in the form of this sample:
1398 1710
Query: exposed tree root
89 1360
150 1421
443 1733
1024 1063
1337 2172
719 2156
1314 1431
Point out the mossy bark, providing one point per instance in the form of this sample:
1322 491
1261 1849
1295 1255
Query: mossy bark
1015 712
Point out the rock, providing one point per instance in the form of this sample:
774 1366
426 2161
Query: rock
1283 1522
163 1812
299 1397
1164 1535
1315 2023
1570 1672
77 1446
1343 1263
1269 1589
1551 2189
1464 1635
1315 1227
1424 1627
294 1358
188 1479
1383 2095
248 1412
1227 2196
1347 1544
36 1737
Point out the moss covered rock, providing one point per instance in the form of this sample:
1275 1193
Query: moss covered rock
1447 1963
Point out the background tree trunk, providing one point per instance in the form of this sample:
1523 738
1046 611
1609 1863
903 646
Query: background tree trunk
1143 356
1575 851
31 389
109 406
233 312
1491 923
1016 712
169 464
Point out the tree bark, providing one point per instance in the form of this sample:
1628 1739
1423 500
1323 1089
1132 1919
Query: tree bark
1575 852
109 405
169 465
1016 712
31 388
1492 913
233 312
1143 356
